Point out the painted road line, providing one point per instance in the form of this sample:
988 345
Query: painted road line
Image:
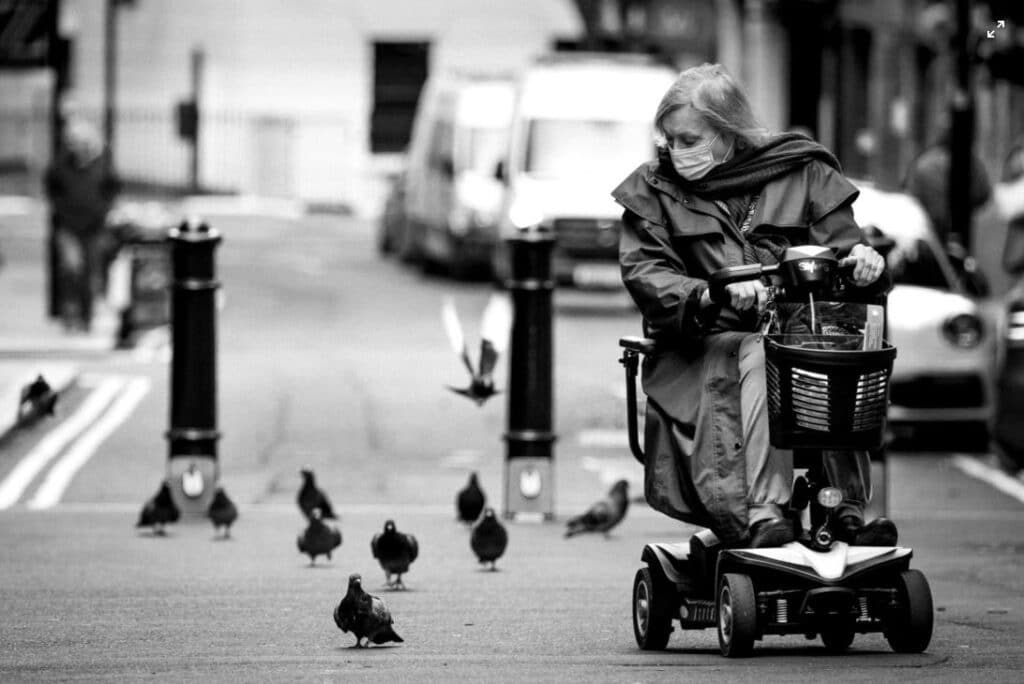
64 470
603 439
54 442
993 476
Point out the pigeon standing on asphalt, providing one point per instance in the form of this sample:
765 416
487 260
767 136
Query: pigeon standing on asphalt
470 501
364 615
603 515
159 510
495 327
311 496
489 539
396 551
222 512
319 538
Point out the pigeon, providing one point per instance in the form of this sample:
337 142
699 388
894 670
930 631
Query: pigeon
396 551
495 327
364 615
319 538
489 539
159 510
603 515
222 512
470 501
37 399
311 496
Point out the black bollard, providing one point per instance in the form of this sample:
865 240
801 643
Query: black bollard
529 475
192 438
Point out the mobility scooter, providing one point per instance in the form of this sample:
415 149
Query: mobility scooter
826 390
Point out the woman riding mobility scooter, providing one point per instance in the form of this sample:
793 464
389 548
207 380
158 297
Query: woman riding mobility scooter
827 370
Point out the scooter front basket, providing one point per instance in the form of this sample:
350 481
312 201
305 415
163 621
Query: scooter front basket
825 392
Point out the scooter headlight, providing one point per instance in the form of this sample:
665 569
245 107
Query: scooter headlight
830 497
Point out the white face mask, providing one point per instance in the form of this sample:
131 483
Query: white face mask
694 162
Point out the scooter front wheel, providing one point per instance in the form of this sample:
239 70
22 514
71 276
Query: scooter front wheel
737 615
909 629
652 619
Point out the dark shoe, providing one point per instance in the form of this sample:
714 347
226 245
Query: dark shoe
878 532
771 532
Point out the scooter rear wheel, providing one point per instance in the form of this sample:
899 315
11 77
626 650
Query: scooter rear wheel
737 615
909 628
652 617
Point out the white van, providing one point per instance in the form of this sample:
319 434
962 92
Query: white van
452 198
582 123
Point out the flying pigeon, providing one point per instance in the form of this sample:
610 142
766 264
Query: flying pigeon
222 512
364 615
319 538
311 496
159 510
470 501
495 326
489 538
37 399
396 551
603 515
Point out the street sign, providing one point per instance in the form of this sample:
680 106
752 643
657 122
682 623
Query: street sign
25 30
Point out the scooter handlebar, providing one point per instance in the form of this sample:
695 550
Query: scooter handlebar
734 274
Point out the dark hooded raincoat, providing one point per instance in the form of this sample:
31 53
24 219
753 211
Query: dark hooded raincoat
673 238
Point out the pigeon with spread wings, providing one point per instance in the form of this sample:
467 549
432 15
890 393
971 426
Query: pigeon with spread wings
495 326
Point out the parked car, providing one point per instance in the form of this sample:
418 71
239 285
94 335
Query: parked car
946 335
452 198
581 123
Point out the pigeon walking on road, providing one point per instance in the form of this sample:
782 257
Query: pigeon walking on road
603 515
396 551
311 496
495 327
222 512
470 501
489 539
364 615
319 538
159 511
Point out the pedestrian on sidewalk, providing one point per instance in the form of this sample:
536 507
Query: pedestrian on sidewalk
80 190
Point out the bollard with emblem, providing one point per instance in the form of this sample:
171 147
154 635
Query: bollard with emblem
192 465
529 475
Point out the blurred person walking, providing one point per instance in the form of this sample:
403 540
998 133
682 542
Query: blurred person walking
1008 425
80 191
927 180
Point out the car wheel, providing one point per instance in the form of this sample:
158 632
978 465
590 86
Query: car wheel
652 616
737 615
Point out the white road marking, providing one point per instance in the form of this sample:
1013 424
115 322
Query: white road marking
993 476
611 470
54 442
61 474
605 439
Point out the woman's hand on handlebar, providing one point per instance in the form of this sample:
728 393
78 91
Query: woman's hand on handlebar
867 265
743 295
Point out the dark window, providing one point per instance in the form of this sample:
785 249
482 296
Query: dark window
399 70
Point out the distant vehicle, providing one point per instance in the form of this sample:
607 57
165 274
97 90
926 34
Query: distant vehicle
451 197
944 372
582 122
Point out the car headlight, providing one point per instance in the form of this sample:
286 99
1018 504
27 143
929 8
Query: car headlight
964 331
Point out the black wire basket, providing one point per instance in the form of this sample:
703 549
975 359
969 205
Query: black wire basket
825 392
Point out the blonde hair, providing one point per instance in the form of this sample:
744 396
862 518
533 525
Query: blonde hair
718 99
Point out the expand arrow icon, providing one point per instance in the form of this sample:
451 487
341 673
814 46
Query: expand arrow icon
991 34
1001 23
